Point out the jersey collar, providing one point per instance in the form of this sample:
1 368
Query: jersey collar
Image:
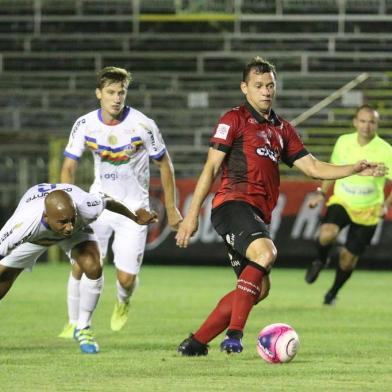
124 114
43 222
273 118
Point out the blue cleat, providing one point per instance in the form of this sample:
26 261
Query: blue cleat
231 345
86 339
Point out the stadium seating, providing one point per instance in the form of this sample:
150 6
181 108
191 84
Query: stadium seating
186 58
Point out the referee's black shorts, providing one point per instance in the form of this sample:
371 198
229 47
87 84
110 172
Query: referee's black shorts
239 224
358 237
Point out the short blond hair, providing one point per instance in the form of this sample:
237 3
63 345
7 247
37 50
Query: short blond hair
109 75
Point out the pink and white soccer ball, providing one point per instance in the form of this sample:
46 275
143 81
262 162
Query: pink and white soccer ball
277 343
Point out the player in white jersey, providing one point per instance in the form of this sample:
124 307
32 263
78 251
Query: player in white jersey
122 141
60 214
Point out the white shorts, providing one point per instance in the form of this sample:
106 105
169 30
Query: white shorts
128 243
25 255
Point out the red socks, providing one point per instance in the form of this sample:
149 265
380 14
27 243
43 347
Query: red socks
233 309
217 321
246 295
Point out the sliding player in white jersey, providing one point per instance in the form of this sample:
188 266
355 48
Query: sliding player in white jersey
60 214
122 141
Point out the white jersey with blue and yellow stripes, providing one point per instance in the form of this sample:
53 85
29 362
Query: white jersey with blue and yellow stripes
121 153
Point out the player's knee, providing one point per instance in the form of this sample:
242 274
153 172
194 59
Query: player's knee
126 280
347 260
267 258
328 233
91 266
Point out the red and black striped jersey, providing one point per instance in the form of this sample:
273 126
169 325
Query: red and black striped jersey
254 147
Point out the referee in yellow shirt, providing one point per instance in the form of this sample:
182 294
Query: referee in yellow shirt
357 201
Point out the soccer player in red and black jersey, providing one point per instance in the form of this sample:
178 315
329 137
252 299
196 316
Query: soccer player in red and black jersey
247 145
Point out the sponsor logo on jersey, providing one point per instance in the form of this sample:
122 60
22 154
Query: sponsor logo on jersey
76 126
9 233
110 176
268 153
152 138
93 203
45 192
222 130
6 235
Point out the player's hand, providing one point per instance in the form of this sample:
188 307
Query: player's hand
174 218
315 200
144 217
374 169
187 228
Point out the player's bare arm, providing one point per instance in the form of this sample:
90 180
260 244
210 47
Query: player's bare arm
190 223
68 171
314 168
166 169
141 216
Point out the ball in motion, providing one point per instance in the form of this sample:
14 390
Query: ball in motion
277 343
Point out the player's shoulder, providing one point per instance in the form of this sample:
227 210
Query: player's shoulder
235 115
86 119
383 144
140 121
137 115
237 111
346 138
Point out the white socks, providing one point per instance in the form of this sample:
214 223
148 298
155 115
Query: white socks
123 295
90 291
73 297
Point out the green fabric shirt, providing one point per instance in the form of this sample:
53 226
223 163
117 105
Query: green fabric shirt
361 191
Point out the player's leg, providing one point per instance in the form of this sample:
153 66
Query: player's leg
102 231
73 298
128 249
358 239
242 232
22 257
261 254
83 249
216 323
8 276
87 255
335 219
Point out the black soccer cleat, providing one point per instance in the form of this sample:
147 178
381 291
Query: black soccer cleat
329 299
313 271
190 347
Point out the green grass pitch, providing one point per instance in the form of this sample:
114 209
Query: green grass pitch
343 348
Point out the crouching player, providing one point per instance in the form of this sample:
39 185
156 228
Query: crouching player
60 214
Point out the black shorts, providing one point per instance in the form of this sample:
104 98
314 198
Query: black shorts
358 237
239 224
